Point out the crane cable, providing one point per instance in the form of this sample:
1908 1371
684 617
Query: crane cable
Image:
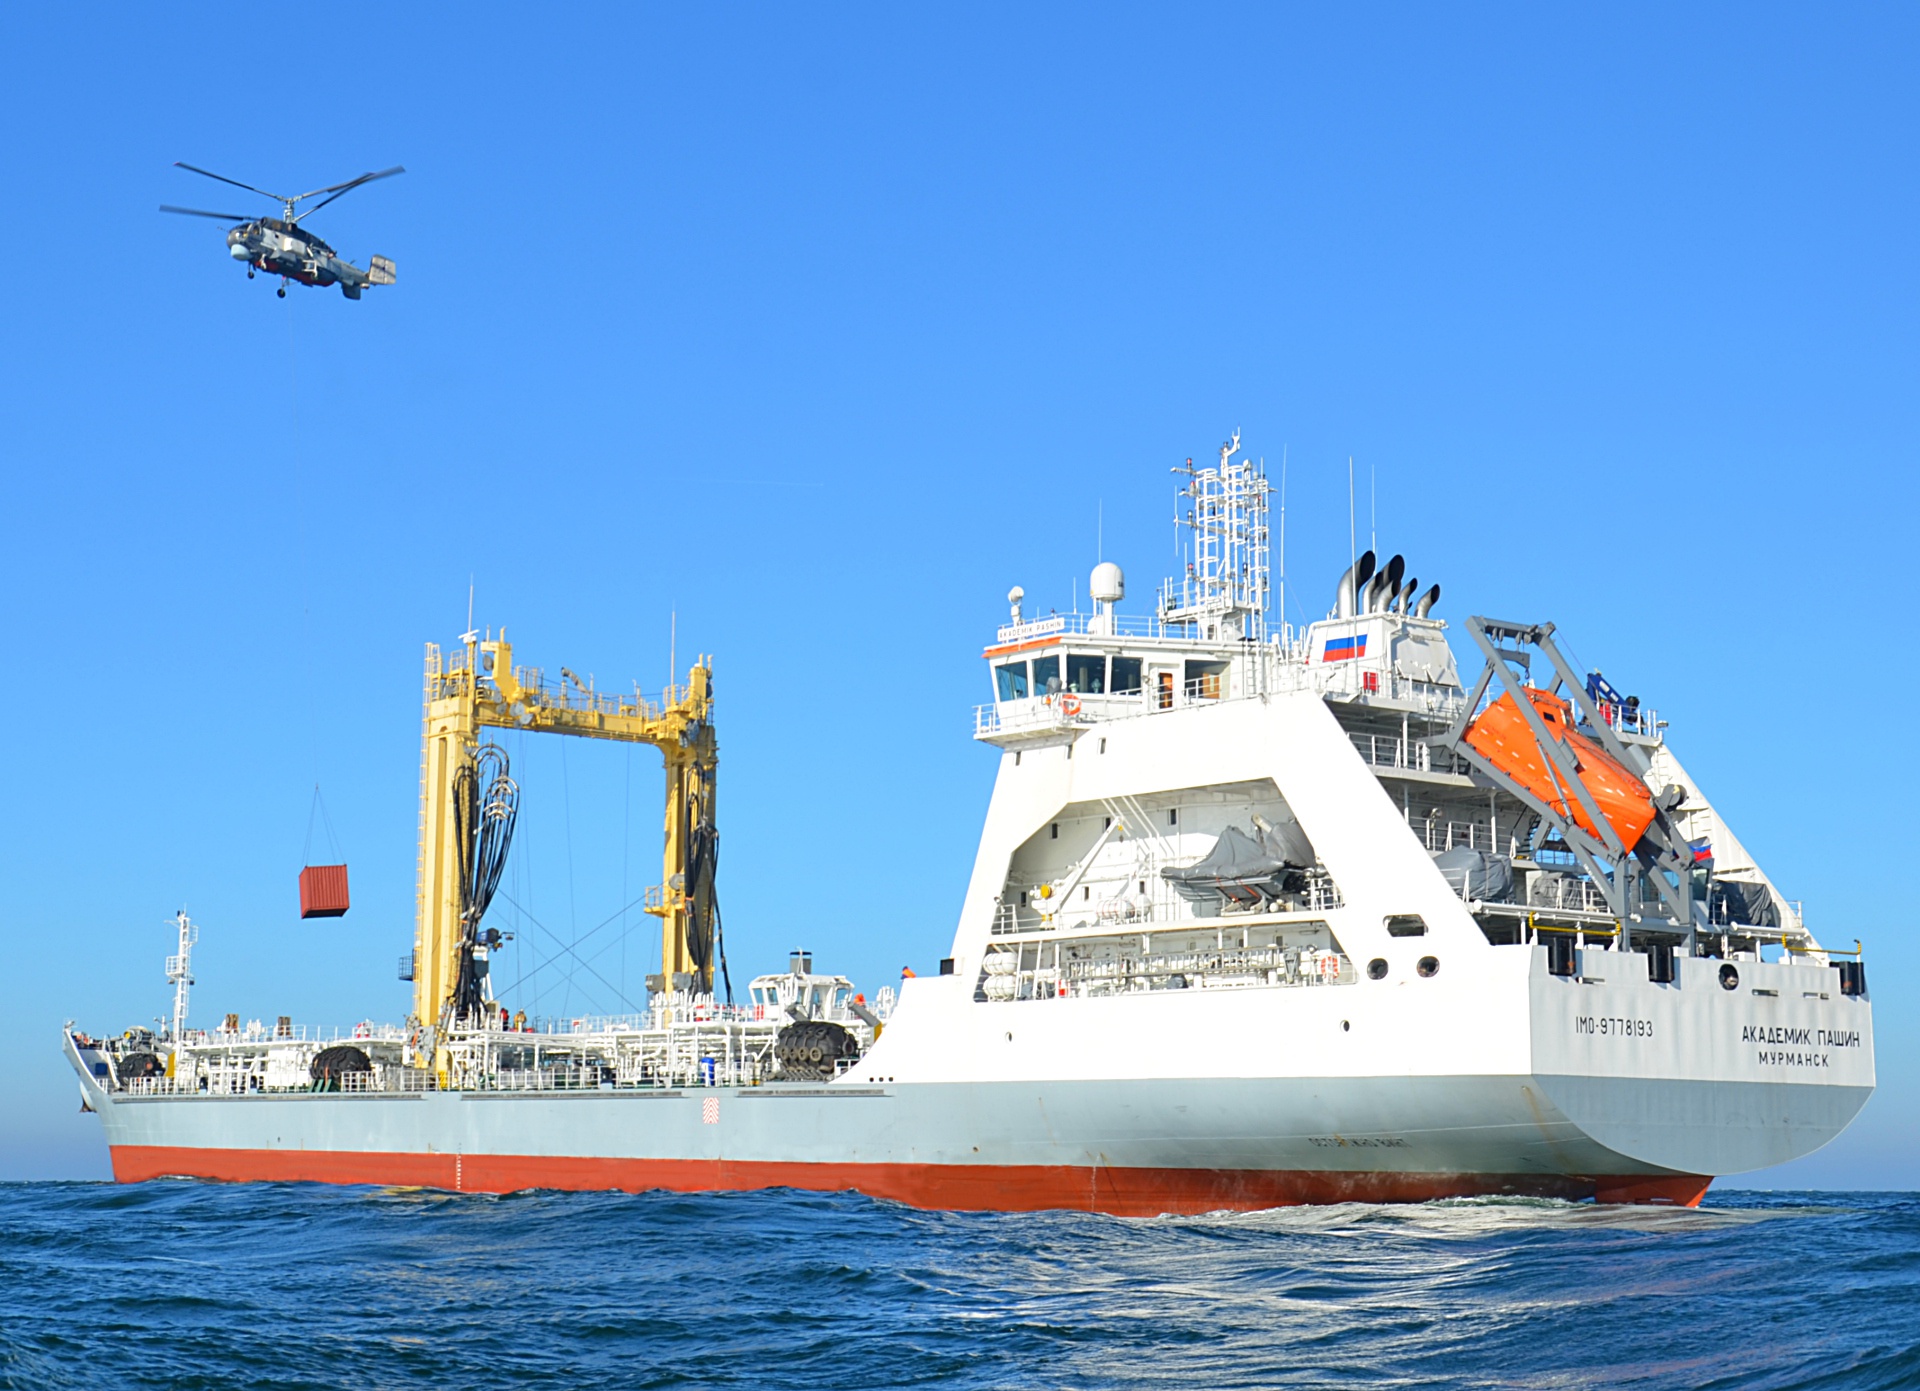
319 810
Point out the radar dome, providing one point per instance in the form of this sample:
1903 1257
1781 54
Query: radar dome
1109 586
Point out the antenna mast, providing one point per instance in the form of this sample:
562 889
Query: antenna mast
1225 586
180 972
1283 538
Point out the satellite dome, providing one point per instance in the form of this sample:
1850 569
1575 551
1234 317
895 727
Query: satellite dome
1109 585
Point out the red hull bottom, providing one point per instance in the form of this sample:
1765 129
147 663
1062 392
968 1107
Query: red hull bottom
964 1187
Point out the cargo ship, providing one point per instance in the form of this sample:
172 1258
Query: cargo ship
1260 915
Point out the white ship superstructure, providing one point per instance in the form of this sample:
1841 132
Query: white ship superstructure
1258 915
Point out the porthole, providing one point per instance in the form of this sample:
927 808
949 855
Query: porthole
1428 965
1729 977
1345 1026
1377 968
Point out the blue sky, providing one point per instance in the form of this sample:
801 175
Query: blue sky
807 332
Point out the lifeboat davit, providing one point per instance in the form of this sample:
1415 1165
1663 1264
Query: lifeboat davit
1500 735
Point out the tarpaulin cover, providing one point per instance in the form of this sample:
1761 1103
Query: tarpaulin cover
1242 868
1749 905
1476 874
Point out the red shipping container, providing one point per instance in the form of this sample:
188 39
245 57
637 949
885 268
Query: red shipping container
323 891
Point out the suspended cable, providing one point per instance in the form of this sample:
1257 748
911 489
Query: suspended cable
318 809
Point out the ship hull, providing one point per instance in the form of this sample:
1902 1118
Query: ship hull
1123 1192
1135 1148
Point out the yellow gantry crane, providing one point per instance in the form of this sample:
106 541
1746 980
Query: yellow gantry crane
477 687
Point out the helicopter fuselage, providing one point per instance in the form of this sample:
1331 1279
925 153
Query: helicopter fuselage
279 248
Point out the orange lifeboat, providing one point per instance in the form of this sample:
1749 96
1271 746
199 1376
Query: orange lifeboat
1500 735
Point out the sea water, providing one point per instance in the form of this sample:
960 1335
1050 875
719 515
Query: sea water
182 1284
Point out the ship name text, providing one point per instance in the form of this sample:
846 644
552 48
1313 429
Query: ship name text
1785 1046
1781 1035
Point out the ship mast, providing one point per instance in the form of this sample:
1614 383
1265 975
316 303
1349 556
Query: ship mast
180 973
478 688
1224 591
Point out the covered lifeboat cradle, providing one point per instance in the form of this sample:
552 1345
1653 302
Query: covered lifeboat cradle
1500 734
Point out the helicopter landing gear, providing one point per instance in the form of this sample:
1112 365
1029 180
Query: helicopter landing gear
282 292
249 275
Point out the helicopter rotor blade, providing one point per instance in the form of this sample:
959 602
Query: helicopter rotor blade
202 212
340 189
182 164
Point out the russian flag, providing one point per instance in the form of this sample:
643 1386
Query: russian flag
1702 853
1344 649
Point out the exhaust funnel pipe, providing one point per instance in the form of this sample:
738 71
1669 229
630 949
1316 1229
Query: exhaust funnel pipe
1385 585
1424 608
1396 568
1404 602
1346 602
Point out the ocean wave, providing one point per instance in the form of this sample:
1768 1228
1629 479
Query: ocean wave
183 1284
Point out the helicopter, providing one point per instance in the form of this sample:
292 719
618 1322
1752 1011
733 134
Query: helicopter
280 246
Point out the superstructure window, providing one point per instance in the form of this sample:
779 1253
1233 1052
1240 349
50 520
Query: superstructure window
1205 680
1012 680
1046 674
1086 675
1126 676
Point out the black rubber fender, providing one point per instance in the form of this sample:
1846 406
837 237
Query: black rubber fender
330 1064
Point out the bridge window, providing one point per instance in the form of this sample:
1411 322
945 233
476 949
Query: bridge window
1126 676
1012 680
1046 675
1086 675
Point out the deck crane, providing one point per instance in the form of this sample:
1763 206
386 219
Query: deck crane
477 687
